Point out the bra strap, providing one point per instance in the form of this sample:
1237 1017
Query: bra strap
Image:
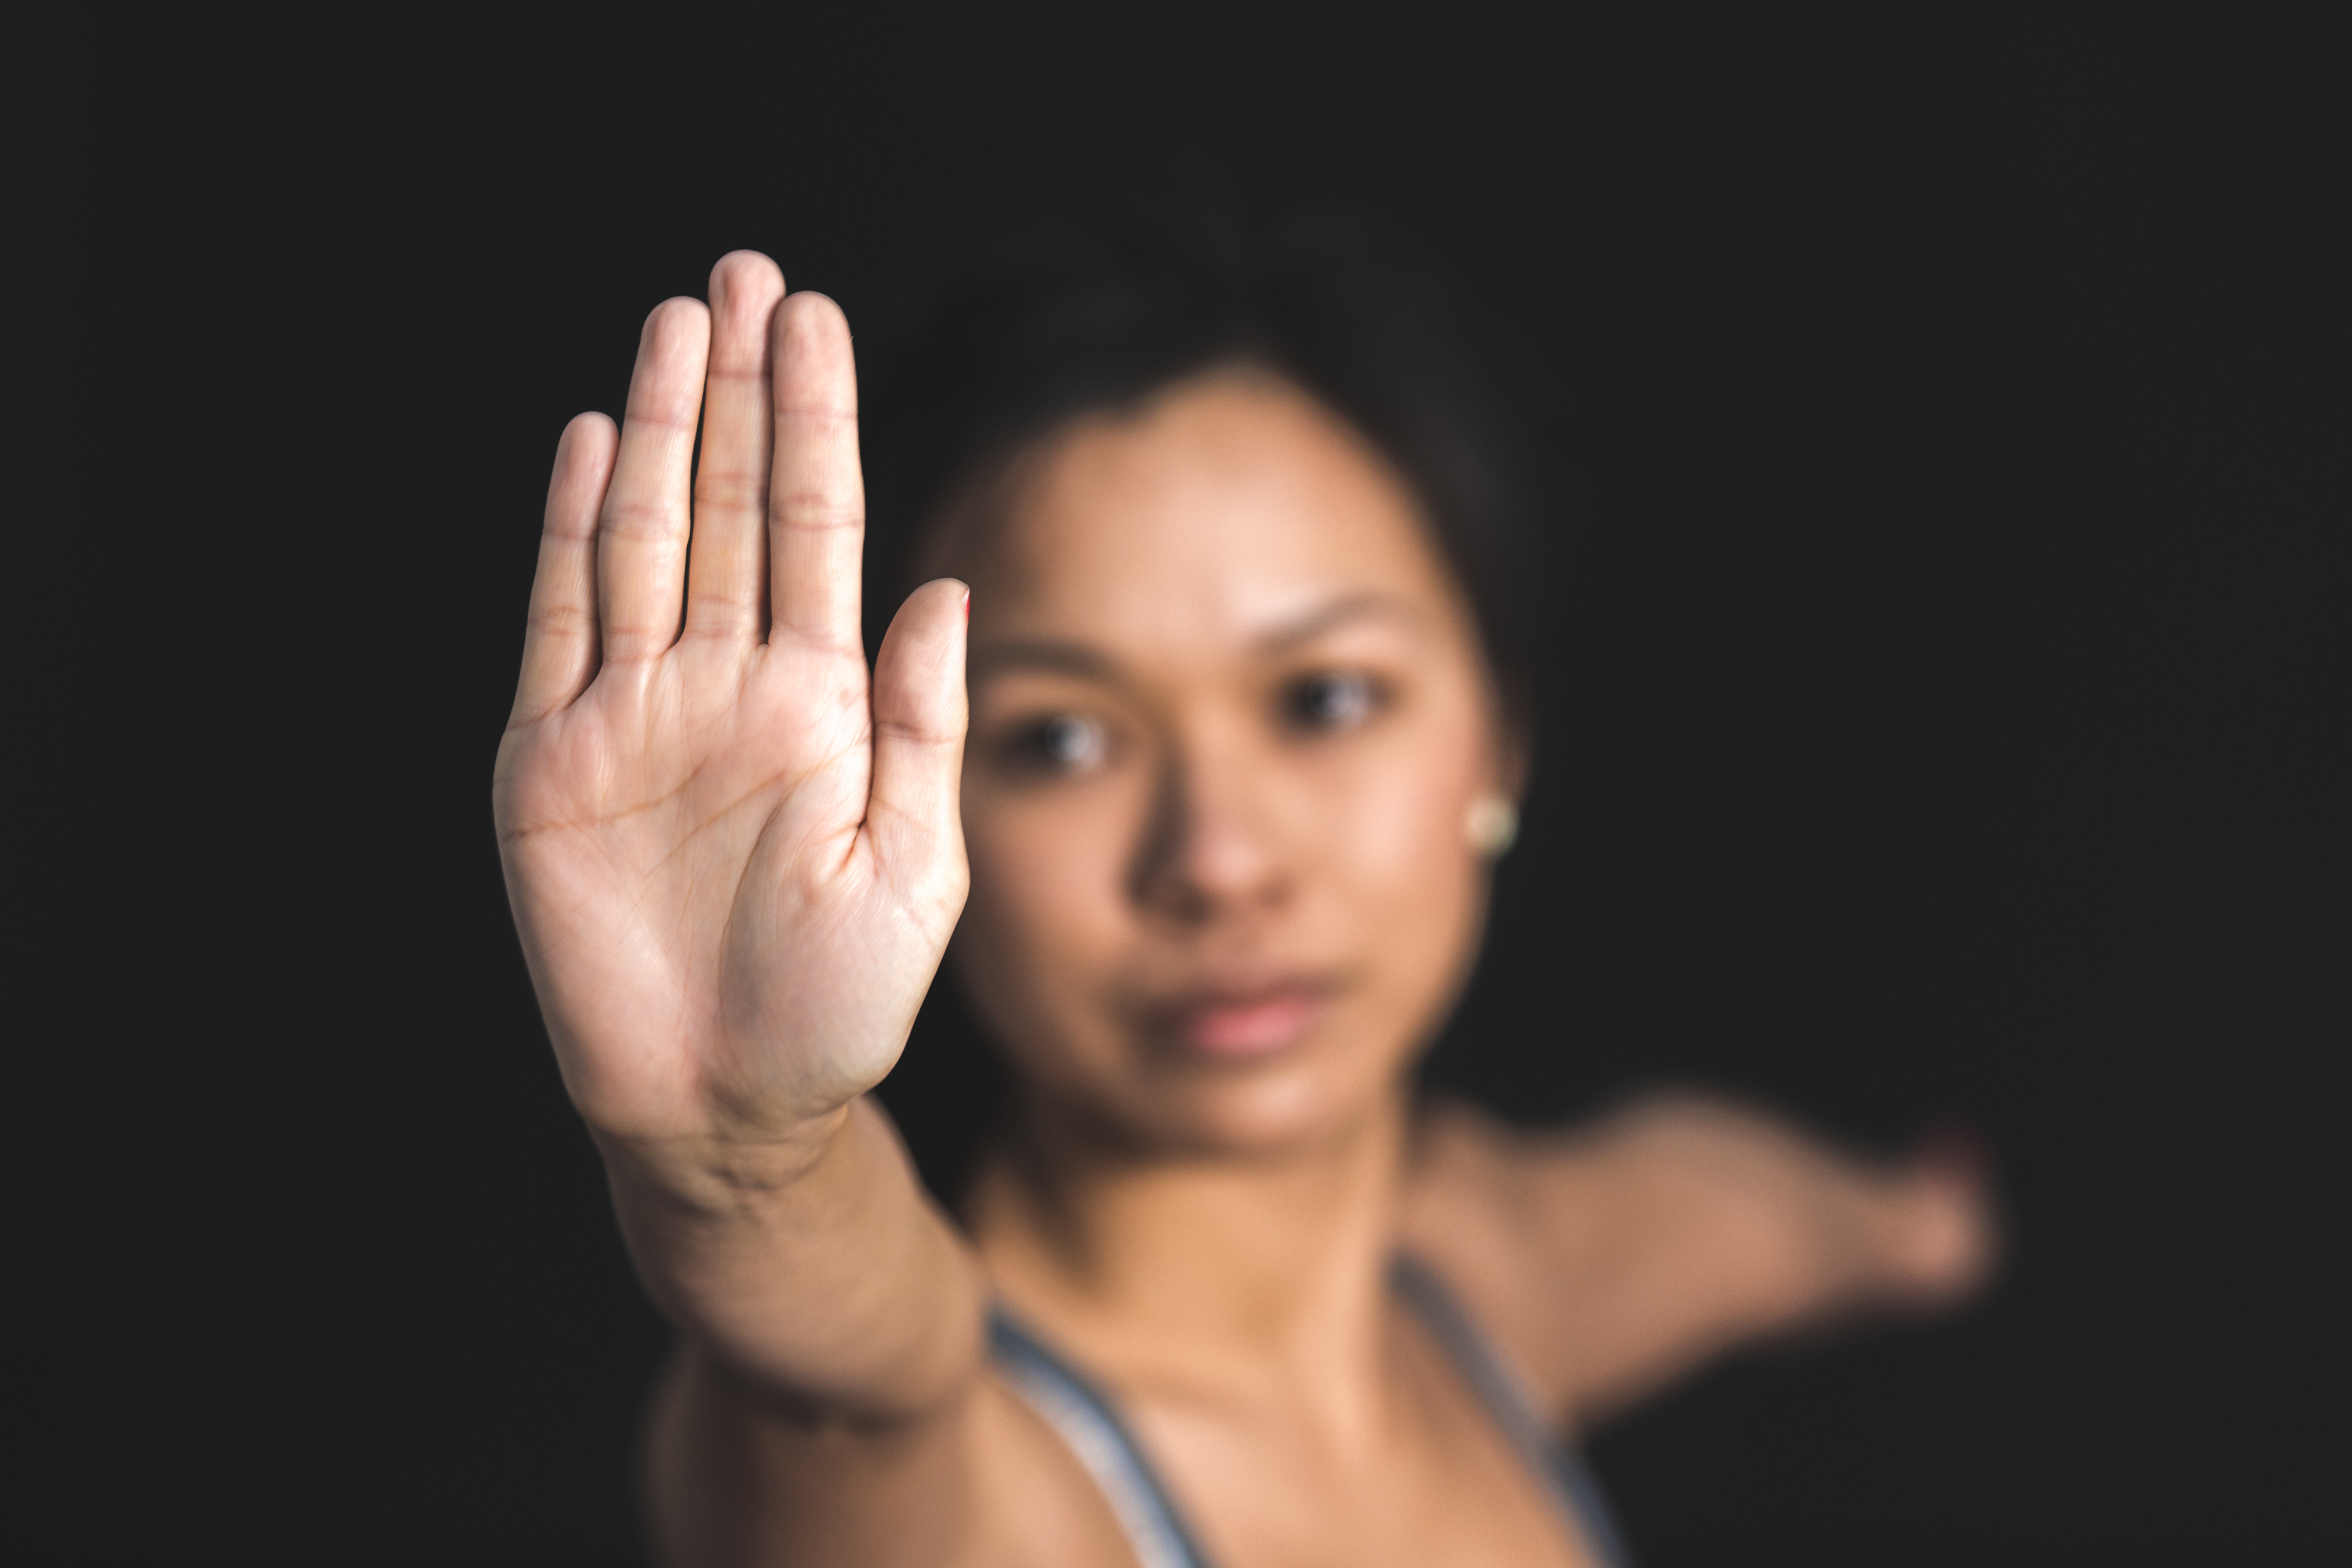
1505 1393
1083 1415
1071 1403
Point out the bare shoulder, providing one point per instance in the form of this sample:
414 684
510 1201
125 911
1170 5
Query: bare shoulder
1480 1201
986 1483
1612 1257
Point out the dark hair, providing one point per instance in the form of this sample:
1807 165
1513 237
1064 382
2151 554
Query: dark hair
1031 331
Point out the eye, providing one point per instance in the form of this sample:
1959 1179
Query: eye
1330 702
1065 743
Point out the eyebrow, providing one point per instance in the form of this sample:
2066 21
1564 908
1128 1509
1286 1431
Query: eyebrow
1055 656
1041 653
1330 617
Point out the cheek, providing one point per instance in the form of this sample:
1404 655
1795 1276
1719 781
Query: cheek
1043 913
1395 826
1399 860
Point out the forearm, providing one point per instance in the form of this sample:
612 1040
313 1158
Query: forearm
1614 1258
811 1270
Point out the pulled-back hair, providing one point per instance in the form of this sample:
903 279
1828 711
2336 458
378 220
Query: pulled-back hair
1036 330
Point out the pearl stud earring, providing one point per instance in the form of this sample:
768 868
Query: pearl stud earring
1491 824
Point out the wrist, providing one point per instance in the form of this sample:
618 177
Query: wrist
717 1174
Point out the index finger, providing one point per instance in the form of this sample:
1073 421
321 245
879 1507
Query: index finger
817 495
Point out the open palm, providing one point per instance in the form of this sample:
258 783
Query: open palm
733 865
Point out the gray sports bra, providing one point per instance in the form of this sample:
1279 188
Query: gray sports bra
1084 1415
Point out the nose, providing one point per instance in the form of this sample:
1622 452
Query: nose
1212 849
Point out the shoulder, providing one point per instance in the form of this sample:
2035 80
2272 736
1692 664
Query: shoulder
1478 1200
733 1479
1547 1196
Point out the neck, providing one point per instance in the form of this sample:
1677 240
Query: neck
1195 1265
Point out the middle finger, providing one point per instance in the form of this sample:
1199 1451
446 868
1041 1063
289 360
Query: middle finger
727 579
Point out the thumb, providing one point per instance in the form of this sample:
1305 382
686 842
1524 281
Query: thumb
920 719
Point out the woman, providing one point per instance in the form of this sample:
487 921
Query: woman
1199 740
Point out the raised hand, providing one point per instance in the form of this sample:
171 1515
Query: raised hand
734 867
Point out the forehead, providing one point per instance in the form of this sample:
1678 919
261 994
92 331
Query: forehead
1227 505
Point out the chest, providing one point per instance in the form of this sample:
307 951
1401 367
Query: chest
1427 1479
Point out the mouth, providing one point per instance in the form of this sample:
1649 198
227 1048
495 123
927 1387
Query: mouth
1238 1025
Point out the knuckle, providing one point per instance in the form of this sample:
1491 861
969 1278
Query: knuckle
734 490
819 505
641 520
823 418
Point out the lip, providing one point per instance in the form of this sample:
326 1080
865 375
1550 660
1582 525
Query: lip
1238 1025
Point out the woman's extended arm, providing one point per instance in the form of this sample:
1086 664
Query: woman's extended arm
734 867
1615 1259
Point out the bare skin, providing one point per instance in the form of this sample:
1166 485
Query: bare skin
1228 718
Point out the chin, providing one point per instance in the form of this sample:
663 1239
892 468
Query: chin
1264 1110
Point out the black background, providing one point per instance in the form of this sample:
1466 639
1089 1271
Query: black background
1931 428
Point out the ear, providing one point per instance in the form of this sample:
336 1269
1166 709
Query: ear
1491 822
1512 747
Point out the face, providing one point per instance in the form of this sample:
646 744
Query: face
1228 716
